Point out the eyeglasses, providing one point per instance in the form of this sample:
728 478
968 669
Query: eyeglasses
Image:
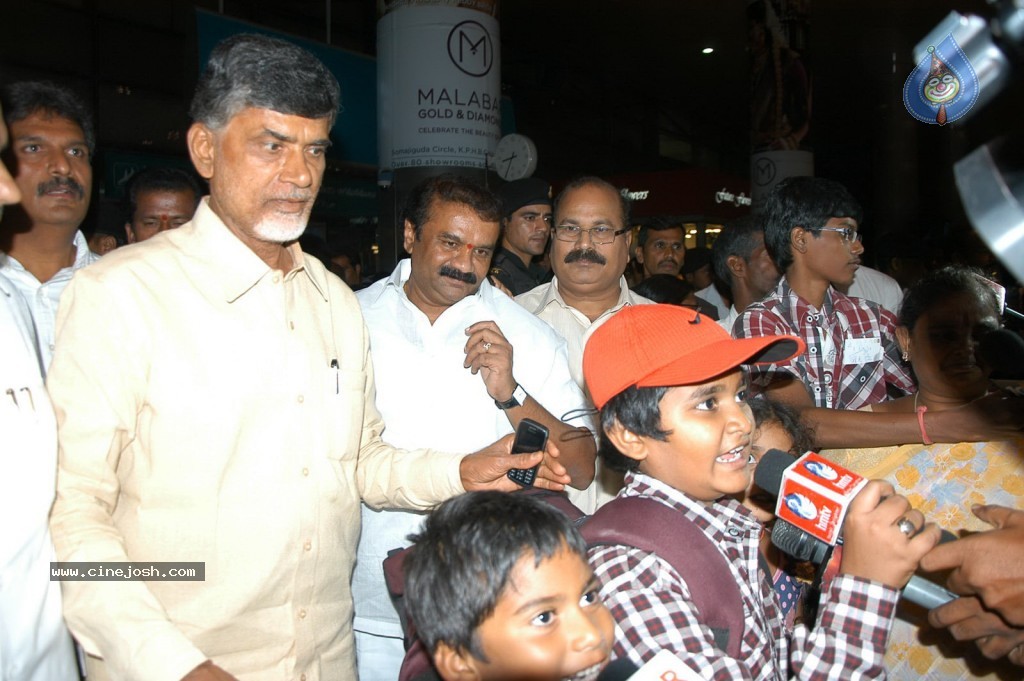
602 234
849 233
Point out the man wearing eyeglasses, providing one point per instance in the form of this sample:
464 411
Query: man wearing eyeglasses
589 254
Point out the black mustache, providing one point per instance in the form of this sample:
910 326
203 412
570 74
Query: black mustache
587 254
61 183
452 273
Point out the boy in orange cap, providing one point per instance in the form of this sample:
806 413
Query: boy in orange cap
674 416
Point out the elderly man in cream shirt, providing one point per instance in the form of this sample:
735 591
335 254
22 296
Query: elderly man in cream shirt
215 402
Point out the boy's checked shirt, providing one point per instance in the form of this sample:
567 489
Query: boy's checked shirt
653 611
852 354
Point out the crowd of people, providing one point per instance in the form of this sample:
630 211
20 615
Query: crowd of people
216 392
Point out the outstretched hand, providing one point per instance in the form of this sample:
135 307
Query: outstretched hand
487 468
968 620
988 564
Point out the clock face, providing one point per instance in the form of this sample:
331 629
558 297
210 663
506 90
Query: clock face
515 157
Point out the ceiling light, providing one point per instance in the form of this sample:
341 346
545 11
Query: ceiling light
707 50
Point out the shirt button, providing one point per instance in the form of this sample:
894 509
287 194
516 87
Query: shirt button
277 279
813 350
300 399
302 614
305 472
308 546
291 325
52 346
863 379
302 677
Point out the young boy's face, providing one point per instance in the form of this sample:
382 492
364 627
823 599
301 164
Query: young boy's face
831 256
707 455
548 624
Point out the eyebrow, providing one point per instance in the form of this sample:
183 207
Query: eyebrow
592 584
281 137
448 236
41 138
707 390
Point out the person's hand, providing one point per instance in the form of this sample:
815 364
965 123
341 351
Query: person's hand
988 564
996 416
873 546
489 353
968 620
208 671
487 468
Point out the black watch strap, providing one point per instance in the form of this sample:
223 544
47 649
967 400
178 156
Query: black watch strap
517 400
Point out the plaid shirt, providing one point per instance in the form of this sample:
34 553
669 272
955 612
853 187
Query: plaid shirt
653 611
852 353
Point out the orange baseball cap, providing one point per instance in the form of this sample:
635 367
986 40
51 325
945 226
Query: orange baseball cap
666 345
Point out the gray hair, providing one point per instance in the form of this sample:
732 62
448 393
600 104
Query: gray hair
257 71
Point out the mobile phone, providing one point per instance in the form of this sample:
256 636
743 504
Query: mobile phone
530 437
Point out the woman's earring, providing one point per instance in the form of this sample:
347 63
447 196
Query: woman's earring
906 356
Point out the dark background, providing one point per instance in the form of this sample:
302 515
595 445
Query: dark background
609 87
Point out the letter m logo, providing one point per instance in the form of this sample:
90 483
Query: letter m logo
470 48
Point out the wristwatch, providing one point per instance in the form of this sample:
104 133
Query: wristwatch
518 399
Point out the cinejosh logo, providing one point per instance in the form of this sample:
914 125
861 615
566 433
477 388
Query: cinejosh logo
470 48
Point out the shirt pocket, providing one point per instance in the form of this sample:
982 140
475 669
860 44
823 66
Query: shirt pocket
346 402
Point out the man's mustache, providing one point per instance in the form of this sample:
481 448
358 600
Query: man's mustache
586 254
59 183
452 273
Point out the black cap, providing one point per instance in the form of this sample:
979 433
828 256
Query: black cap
526 192
696 258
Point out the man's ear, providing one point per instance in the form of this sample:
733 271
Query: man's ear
737 266
626 441
798 237
638 254
129 233
453 665
202 148
409 236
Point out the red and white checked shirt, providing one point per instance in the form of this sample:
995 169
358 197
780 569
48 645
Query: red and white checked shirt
653 611
852 353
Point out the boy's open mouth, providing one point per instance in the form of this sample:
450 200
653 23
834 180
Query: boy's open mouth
588 674
733 455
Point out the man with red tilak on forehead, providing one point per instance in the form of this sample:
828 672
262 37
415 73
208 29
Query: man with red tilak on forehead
457 362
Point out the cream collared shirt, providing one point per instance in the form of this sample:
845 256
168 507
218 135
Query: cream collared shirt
201 419
575 327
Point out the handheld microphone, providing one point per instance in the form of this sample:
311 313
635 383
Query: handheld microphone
773 475
1003 351
664 666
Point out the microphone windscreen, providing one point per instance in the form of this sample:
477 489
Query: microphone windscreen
1003 352
770 469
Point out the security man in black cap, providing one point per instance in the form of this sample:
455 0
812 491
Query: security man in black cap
525 231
